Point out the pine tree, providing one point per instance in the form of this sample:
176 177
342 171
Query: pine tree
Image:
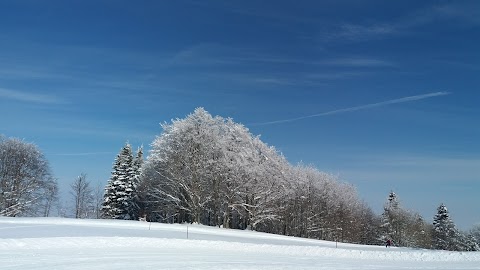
136 206
468 243
445 235
391 219
120 188
137 163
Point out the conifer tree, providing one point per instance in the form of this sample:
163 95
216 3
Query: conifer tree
445 235
137 163
391 219
135 205
120 188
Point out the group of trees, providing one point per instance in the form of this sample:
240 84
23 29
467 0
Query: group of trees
28 188
213 171
409 229
403 227
447 237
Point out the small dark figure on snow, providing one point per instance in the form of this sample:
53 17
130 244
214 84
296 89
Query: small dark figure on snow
388 243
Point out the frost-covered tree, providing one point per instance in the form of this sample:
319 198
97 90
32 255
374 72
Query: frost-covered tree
180 167
25 179
118 202
318 205
418 232
445 235
213 171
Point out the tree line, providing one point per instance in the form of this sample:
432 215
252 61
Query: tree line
213 171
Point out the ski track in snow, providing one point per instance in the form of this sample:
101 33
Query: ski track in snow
55 243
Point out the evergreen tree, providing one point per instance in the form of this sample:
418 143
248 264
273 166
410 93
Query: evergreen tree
118 202
469 243
391 220
475 233
445 235
135 210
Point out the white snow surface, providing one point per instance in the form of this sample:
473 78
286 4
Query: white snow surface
57 243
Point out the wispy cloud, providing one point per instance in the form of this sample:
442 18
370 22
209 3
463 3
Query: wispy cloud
85 154
357 108
415 167
203 54
362 32
358 62
467 13
464 11
337 75
28 73
24 96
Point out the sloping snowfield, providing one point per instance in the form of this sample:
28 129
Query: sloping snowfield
55 243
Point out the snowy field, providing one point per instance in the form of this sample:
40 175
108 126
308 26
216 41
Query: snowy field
55 243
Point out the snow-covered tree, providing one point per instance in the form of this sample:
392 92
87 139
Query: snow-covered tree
402 226
468 243
213 171
418 232
392 220
445 235
118 202
136 209
138 162
180 166
475 233
25 179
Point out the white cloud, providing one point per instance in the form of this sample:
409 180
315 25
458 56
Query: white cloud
24 96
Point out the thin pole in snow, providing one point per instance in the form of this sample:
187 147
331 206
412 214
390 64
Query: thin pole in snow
187 231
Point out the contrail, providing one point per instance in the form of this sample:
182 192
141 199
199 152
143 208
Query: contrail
357 108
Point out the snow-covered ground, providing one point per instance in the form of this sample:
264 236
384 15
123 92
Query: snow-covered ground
55 243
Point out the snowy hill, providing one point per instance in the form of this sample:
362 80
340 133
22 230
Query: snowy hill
54 243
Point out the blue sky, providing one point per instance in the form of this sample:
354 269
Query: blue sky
382 93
